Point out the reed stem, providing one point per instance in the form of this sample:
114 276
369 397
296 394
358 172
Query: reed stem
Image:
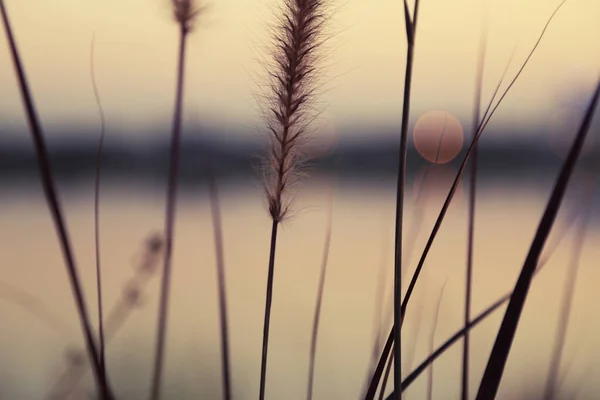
171 207
50 192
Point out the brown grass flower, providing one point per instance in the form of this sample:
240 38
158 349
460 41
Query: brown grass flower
293 74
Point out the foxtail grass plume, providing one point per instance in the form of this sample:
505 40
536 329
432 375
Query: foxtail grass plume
185 13
293 76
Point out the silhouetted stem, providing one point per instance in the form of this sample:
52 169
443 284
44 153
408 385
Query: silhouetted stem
171 207
53 202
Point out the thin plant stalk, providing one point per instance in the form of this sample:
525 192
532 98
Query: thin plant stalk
497 361
471 229
118 314
101 342
320 291
293 75
49 188
221 286
482 125
268 303
487 312
169 220
415 228
411 349
388 370
35 306
377 316
411 28
565 311
390 340
481 128
431 341
410 358
379 369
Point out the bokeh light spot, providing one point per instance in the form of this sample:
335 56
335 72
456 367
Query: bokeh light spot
438 136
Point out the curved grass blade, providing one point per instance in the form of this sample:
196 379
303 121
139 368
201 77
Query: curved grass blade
320 291
553 381
101 342
411 27
387 348
49 187
215 208
497 361
481 128
483 315
471 227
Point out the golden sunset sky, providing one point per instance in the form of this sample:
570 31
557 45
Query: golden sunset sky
136 43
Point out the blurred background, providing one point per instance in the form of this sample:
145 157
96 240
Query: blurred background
351 179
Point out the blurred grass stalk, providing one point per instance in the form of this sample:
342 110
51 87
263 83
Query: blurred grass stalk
319 302
215 206
185 13
553 381
570 220
101 343
293 73
432 340
129 300
497 361
472 205
50 192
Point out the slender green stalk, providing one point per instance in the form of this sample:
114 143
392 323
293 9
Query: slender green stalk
220 256
101 341
411 28
169 220
497 361
472 204
53 202
317 315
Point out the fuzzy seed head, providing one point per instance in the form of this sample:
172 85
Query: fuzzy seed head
293 75
185 13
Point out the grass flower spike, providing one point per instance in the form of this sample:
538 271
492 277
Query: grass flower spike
292 74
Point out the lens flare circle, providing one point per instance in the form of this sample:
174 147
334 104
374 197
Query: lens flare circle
438 136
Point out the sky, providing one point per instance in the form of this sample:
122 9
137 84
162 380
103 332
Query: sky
363 61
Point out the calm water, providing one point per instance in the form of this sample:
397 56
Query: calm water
39 321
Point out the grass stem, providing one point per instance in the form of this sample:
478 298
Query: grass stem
269 300
101 341
169 220
411 24
49 188
319 303
471 229
221 285
495 366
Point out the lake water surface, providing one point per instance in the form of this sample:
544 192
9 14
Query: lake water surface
39 321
